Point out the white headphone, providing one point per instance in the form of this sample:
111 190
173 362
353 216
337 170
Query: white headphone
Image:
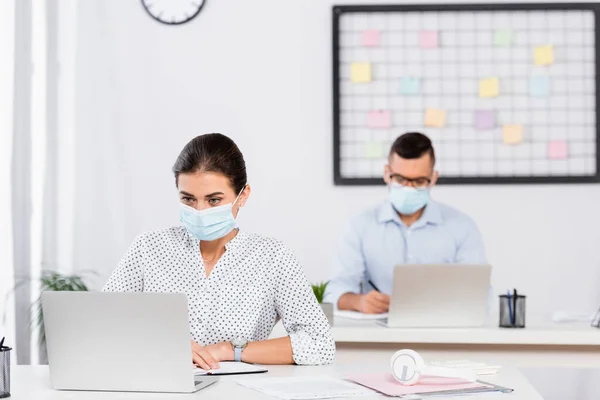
408 367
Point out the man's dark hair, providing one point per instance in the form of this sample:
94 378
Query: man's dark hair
213 152
413 145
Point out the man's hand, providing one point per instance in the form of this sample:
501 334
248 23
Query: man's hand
373 302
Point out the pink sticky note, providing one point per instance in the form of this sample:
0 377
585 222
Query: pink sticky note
379 119
370 38
428 39
387 384
557 150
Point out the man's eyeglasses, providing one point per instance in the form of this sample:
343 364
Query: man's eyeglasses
417 183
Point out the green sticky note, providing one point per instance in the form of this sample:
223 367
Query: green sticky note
374 150
503 37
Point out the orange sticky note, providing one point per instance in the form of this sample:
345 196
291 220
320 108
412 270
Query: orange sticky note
512 134
370 38
488 87
361 72
544 55
557 150
435 118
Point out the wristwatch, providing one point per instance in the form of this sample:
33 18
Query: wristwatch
238 345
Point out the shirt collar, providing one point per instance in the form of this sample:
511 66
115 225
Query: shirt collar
431 215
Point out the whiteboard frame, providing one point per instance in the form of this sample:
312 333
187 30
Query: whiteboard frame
338 10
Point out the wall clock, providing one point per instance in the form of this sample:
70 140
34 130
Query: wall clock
173 12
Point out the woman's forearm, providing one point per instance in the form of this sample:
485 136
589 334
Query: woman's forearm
272 351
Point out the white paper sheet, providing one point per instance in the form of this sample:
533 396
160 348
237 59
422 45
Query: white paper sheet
306 388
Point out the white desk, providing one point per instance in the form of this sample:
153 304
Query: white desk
541 345
352 331
32 382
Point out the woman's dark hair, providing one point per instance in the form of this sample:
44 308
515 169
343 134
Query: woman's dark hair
213 152
413 145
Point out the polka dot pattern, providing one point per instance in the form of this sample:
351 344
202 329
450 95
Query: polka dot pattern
255 283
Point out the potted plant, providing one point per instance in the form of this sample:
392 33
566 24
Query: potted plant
56 282
319 291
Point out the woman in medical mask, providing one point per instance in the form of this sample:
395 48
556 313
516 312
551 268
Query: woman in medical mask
238 284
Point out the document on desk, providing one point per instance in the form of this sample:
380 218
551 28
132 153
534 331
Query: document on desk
358 315
306 387
428 385
231 368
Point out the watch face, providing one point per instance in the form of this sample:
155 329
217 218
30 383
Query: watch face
239 342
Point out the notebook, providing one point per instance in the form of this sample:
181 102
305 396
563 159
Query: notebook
231 368
358 315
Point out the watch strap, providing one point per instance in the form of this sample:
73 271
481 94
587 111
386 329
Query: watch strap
237 354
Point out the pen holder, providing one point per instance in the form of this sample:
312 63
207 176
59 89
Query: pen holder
512 311
5 372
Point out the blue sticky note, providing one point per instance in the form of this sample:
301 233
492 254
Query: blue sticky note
409 85
539 86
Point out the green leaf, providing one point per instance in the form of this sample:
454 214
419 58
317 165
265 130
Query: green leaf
319 290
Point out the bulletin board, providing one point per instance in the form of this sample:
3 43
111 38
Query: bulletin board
506 92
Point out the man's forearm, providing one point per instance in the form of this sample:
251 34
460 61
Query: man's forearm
349 301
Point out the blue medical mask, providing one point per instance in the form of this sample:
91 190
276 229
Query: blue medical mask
408 200
208 224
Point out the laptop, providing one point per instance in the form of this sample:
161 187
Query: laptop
133 342
439 296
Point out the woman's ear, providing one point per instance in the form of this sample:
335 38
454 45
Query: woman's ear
244 196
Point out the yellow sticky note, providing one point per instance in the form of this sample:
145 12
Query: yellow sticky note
513 134
361 72
435 118
544 55
488 87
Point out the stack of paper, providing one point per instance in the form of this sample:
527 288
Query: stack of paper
304 388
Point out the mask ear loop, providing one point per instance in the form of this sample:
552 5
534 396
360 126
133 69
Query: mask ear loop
238 196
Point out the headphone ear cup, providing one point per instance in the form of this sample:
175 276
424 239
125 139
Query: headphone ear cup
406 366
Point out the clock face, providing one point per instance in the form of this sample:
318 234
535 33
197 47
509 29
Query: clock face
173 12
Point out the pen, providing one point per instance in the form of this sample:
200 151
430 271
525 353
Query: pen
510 310
514 306
374 287
2 343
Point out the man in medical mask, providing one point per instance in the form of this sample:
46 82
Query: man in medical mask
408 228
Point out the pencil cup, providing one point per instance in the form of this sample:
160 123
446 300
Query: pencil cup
4 372
512 311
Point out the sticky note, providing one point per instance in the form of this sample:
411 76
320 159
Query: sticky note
488 87
361 72
544 55
539 86
374 150
410 86
435 118
370 38
485 119
557 150
379 119
503 37
428 39
512 134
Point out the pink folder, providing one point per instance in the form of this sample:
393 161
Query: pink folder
386 384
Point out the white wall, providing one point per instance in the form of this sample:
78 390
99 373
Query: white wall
260 72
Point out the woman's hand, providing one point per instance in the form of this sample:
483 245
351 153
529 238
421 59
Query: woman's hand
208 357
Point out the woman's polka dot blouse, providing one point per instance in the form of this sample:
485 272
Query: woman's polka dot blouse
254 284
